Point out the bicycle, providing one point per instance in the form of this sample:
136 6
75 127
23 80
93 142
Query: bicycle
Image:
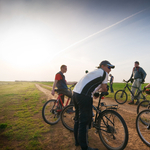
144 105
52 108
121 95
109 124
143 129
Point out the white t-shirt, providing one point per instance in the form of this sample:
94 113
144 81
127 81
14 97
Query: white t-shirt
90 81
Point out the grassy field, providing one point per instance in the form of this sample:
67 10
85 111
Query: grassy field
20 120
21 123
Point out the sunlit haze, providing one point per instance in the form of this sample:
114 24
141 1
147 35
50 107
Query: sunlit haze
37 37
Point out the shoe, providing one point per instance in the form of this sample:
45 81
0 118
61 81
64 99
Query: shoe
137 103
131 102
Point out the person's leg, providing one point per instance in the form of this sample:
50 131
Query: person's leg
133 89
111 88
85 115
68 94
139 86
76 125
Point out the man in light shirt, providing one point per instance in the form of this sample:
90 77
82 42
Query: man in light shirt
83 100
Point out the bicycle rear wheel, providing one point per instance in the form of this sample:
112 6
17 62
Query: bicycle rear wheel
113 130
67 117
144 129
142 106
50 112
120 96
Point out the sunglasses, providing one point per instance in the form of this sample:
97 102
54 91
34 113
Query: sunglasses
109 67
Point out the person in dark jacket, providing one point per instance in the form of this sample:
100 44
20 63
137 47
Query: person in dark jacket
138 75
61 84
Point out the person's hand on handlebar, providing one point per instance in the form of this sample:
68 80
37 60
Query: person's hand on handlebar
53 92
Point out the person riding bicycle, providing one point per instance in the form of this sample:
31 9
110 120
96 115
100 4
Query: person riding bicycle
138 75
83 101
61 84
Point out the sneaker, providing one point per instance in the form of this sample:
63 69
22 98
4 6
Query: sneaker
131 102
137 103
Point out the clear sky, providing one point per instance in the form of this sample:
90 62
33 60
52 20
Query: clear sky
38 36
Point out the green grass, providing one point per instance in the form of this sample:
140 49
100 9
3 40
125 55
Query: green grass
20 122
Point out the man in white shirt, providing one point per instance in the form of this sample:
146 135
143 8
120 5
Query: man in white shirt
83 100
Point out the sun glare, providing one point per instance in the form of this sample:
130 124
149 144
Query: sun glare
26 47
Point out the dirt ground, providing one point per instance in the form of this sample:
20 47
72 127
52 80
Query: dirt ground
128 112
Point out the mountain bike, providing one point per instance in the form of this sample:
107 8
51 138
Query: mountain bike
143 129
121 96
52 108
109 124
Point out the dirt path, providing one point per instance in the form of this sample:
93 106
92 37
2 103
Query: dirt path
128 112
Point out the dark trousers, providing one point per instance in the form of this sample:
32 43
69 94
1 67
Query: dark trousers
83 117
111 88
67 93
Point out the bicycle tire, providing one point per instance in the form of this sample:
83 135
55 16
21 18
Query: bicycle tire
67 118
143 130
142 106
112 131
49 112
120 97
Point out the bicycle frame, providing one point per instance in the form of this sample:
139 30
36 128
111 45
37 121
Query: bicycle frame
138 91
60 100
98 112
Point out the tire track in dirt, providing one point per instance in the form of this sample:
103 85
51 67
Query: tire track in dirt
45 91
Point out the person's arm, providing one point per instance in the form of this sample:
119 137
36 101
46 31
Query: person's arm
130 77
53 89
147 86
143 74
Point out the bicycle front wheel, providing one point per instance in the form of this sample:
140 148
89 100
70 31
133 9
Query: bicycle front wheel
68 116
144 129
50 112
120 96
142 106
113 130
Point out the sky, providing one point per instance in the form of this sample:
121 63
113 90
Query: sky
37 37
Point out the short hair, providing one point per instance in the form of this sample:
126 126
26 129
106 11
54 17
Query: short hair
62 66
136 62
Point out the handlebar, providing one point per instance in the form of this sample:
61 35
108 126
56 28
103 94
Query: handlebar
125 81
71 86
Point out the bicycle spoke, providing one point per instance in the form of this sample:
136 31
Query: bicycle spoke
144 129
50 112
114 136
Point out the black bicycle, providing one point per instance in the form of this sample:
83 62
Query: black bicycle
121 96
110 126
143 127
